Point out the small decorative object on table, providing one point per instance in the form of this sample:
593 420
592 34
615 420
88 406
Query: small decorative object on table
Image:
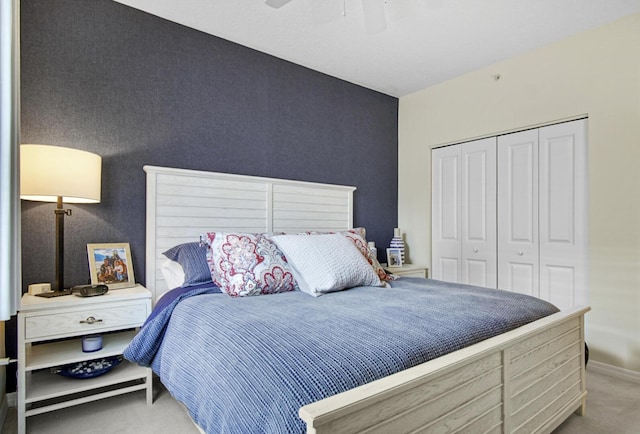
111 265
89 368
397 242
372 249
394 258
91 343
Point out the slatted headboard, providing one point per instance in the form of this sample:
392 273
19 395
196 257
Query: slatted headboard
182 204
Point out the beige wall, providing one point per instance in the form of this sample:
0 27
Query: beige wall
596 73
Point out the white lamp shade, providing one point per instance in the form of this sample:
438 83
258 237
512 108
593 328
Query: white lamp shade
47 172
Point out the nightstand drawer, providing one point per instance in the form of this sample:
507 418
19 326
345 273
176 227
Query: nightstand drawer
421 272
89 320
408 270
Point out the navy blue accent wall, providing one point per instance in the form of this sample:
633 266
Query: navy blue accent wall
137 89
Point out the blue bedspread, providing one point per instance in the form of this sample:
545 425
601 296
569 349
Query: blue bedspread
246 365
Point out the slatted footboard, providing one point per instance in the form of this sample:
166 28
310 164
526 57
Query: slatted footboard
526 381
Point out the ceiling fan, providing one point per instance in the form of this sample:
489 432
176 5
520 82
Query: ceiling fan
276 4
373 10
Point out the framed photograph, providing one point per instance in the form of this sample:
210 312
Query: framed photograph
111 265
394 258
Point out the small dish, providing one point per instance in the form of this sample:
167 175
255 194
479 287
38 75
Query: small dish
89 368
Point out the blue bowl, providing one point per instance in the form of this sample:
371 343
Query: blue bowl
90 368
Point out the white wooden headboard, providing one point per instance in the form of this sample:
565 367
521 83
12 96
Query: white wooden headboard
182 204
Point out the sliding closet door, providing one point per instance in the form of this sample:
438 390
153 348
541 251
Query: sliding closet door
478 212
563 212
518 262
445 216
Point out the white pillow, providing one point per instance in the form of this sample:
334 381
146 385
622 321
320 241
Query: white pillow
172 273
326 263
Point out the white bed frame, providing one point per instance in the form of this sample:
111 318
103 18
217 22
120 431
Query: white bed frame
182 204
525 381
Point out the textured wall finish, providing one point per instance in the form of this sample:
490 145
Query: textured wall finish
139 90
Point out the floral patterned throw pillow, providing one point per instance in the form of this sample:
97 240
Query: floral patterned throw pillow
362 245
244 264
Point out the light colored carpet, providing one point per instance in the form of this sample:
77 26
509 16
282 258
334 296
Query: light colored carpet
125 414
613 406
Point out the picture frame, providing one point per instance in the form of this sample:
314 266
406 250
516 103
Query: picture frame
110 264
394 258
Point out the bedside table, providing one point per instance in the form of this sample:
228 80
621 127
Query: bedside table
408 270
50 332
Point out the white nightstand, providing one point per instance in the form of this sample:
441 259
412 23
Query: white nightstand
50 334
408 270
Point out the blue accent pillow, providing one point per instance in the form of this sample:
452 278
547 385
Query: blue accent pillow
193 259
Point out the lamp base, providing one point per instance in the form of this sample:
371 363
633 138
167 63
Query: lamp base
54 293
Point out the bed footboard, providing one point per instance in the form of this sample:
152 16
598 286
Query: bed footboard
528 380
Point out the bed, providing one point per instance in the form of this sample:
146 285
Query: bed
527 377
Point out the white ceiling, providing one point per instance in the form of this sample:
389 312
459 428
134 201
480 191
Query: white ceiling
425 41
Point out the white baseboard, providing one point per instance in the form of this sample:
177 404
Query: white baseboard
12 399
614 371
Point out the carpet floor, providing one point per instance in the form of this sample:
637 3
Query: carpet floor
613 406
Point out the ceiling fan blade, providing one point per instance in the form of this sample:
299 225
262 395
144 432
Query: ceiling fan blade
374 18
276 4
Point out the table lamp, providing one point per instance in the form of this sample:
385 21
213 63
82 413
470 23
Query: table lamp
57 174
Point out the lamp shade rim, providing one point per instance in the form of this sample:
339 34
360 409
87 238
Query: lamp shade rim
65 199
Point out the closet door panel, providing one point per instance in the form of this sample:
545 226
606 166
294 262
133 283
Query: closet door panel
445 220
563 211
521 277
518 261
478 212
558 285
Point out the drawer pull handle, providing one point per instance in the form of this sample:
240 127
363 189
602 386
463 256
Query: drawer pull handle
90 320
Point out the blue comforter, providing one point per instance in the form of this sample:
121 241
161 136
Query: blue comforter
246 365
